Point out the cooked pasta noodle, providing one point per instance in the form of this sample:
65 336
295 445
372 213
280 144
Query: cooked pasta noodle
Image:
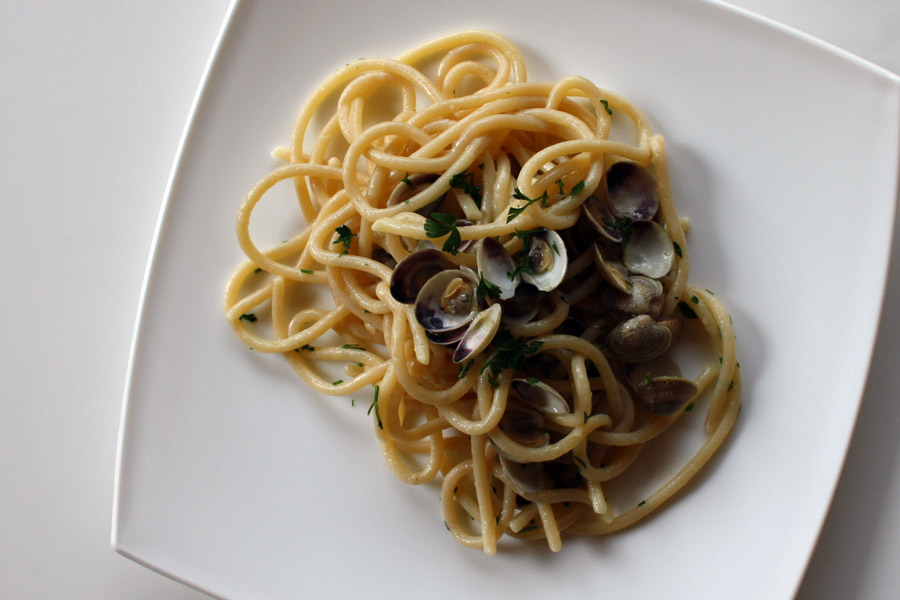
508 277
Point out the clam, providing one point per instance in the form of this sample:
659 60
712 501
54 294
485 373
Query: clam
601 217
611 268
547 259
526 477
645 296
409 187
478 334
522 307
495 265
540 396
412 272
642 338
447 301
649 251
631 191
524 426
659 386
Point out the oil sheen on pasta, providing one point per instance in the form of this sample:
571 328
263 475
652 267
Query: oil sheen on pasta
508 280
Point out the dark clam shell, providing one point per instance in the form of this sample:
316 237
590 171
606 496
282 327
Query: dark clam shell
631 191
412 272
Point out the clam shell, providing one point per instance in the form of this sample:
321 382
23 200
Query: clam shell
610 268
432 310
601 217
404 191
549 261
478 334
541 397
645 296
527 477
412 272
649 251
522 307
639 339
495 264
631 191
665 395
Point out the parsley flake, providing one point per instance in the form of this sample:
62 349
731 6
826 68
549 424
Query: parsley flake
486 289
518 195
307 347
345 237
440 225
605 104
248 317
466 182
374 405
677 249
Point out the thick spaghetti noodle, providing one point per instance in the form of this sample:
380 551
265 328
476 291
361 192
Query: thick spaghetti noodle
509 278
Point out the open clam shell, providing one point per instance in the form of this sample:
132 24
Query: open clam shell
447 301
602 218
495 265
548 260
479 334
409 187
611 268
411 273
631 191
649 251
541 396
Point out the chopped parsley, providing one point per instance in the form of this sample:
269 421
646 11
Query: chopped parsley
486 289
338 382
307 271
518 195
307 347
352 347
686 310
642 502
510 352
248 317
695 299
605 104
441 224
532 381
464 369
257 270
649 379
624 226
375 406
677 249
579 187
406 180
689 407
345 237
466 182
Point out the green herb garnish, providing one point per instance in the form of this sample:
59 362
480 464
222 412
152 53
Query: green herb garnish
605 104
375 406
486 289
464 369
515 212
677 249
352 347
510 352
406 180
441 224
345 237
307 271
579 187
307 347
466 182
248 317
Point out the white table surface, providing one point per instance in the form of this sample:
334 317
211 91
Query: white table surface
95 95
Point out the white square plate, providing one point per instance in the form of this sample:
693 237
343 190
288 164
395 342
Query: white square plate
236 479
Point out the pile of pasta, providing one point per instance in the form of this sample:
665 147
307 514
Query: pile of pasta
491 143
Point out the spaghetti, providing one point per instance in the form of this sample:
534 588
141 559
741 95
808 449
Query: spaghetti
511 279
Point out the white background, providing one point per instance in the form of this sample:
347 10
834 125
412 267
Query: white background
95 95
